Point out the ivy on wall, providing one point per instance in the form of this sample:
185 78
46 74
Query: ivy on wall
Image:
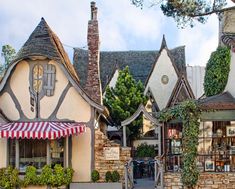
189 112
217 71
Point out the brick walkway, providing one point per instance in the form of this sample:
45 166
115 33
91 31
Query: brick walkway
144 184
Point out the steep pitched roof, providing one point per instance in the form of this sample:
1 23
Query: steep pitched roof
223 101
140 63
44 42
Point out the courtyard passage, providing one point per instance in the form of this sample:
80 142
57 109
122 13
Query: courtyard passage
145 183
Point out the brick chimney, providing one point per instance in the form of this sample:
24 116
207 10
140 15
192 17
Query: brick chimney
93 84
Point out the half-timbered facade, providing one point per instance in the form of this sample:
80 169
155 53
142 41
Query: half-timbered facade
46 116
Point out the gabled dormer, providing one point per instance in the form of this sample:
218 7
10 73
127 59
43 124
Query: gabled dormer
163 76
181 92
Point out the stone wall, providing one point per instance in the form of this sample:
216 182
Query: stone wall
206 181
103 165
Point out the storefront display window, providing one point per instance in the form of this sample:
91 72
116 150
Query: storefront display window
173 147
34 152
216 147
57 151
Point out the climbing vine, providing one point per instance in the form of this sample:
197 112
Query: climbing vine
189 112
217 71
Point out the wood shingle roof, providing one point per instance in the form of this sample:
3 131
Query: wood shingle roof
140 63
223 101
44 42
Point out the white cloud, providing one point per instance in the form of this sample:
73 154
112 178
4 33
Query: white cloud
122 26
200 41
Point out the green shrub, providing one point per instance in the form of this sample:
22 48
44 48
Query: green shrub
68 176
108 176
9 178
217 71
46 177
58 178
115 176
30 177
95 176
145 150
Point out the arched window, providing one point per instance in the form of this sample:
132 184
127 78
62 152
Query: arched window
37 78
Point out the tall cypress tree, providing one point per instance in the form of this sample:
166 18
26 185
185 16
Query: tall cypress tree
124 99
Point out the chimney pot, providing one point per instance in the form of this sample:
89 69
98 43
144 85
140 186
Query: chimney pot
93 11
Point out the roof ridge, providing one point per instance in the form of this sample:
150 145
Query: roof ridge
44 42
79 49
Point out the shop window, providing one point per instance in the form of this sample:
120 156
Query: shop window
173 145
12 151
34 152
216 147
57 151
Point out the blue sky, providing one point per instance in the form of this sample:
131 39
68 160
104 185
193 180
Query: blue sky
122 26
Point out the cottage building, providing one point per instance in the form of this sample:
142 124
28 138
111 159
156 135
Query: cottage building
216 157
46 116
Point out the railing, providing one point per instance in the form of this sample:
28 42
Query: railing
129 179
158 175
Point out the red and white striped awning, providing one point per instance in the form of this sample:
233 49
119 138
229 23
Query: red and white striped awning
43 130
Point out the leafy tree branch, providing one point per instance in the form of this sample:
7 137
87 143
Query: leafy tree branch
186 12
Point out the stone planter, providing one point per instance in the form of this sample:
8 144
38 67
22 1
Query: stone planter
110 185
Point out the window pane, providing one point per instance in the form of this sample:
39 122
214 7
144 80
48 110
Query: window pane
32 152
57 151
173 163
12 152
37 78
200 163
201 147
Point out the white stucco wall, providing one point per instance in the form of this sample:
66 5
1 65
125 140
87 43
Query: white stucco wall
3 152
162 92
195 76
113 81
81 157
74 107
20 86
8 107
230 87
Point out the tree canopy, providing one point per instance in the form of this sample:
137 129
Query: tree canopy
186 12
8 53
217 71
124 99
